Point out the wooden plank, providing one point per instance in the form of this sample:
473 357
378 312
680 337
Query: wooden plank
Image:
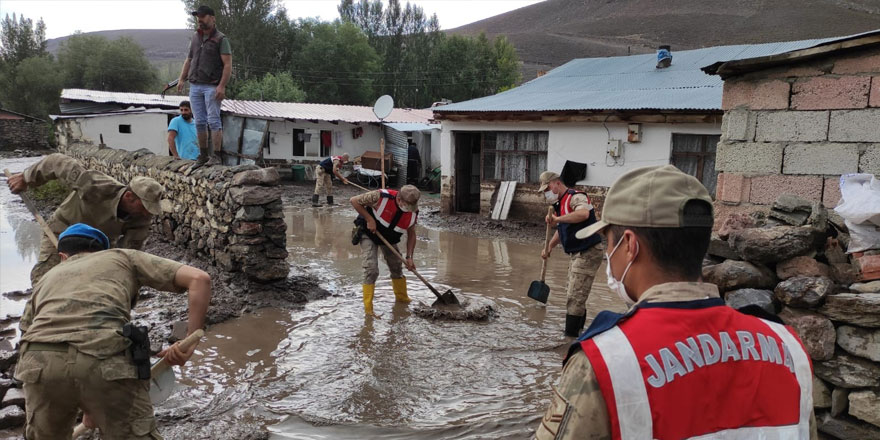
511 189
499 200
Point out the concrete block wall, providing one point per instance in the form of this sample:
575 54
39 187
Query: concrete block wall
798 128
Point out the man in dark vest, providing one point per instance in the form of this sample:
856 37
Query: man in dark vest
573 212
207 68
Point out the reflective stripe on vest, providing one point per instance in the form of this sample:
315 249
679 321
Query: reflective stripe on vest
718 374
388 209
565 203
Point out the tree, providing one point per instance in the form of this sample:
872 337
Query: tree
35 88
21 39
468 68
94 62
280 88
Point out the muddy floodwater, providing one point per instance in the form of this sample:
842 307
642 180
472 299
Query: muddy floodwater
325 371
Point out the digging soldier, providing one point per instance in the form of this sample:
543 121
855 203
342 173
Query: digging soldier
73 352
121 212
390 213
679 363
324 173
573 212
207 68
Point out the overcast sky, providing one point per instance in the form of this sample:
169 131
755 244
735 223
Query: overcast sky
63 17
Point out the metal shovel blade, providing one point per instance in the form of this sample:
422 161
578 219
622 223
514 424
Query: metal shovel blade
162 385
446 299
539 291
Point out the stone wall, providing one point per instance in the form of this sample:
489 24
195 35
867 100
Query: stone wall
230 216
17 134
793 262
796 129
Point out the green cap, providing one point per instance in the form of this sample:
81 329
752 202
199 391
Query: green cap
150 193
546 177
651 197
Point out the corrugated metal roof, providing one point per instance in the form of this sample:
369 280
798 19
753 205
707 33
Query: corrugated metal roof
626 83
260 109
412 126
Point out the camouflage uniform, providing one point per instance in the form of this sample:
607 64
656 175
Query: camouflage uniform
324 180
582 267
73 353
578 409
94 201
370 249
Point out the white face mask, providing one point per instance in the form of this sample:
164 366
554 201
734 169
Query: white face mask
550 196
613 283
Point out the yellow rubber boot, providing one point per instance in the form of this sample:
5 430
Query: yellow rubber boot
399 286
368 298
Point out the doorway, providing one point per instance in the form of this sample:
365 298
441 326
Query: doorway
467 172
299 143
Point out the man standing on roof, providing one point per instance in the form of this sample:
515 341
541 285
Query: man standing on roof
74 351
390 213
121 212
679 363
324 173
207 67
182 140
573 213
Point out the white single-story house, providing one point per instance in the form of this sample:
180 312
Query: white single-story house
613 114
269 133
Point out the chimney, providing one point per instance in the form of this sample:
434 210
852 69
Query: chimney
664 57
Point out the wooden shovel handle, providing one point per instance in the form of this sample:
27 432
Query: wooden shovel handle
394 251
546 244
33 209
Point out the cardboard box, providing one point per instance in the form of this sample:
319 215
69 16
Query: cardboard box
370 160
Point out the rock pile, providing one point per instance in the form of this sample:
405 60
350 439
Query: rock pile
793 262
12 413
230 216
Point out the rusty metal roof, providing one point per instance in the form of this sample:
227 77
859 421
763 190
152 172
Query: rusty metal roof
259 109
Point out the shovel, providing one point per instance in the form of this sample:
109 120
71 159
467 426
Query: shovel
30 206
447 298
162 378
538 290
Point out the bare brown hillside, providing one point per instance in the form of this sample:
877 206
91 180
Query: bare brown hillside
158 44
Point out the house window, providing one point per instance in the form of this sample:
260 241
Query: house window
125 128
695 154
514 155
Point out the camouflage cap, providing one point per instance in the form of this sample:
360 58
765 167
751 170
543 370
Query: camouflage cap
150 193
408 198
545 178
651 197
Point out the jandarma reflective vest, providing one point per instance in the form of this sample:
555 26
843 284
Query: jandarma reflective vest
391 221
327 164
570 243
683 370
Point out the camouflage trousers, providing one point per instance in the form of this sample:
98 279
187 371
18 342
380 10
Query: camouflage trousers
59 383
581 272
371 260
47 260
323 181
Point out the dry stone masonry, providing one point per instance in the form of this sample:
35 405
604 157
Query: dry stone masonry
230 216
792 261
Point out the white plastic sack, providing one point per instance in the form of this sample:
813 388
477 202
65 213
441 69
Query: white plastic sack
862 237
860 199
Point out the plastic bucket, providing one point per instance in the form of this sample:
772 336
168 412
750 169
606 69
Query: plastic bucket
299 173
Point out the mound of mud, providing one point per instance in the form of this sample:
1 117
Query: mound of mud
472 309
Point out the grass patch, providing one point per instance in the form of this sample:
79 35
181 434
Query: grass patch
52 193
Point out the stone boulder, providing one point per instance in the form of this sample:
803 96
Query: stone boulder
816 332
844 273
804 291
861 309
255 195
871 287
865 405
12 417
264 176
773 244
848 372
746 297
736 222
839 401
821 394
13 397
802 266
733 275
791 209
265 269
719 247
859 341
846 429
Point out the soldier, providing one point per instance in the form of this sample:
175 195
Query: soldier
121 212
573 212
73 352
324 173
390 213
679 363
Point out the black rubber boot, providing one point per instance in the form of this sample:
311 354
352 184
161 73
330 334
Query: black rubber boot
574 324
330 200
315 200
204 156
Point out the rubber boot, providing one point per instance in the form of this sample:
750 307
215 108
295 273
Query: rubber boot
315 202
368 298
330 200
399 286
204 155
574 324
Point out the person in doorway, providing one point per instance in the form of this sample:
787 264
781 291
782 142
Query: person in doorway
182 140
122 212
679 363
413 164
573 212
389 213
324 172
73 352
207 67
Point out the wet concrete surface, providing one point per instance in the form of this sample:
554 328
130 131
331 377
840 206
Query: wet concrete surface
323 370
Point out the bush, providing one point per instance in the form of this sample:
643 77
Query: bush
52 193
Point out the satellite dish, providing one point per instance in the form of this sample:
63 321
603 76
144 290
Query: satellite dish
383 106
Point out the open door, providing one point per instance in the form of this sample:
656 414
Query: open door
467 172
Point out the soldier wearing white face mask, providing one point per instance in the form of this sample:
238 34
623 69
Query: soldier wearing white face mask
573 212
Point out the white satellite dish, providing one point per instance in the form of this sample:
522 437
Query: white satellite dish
383 106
